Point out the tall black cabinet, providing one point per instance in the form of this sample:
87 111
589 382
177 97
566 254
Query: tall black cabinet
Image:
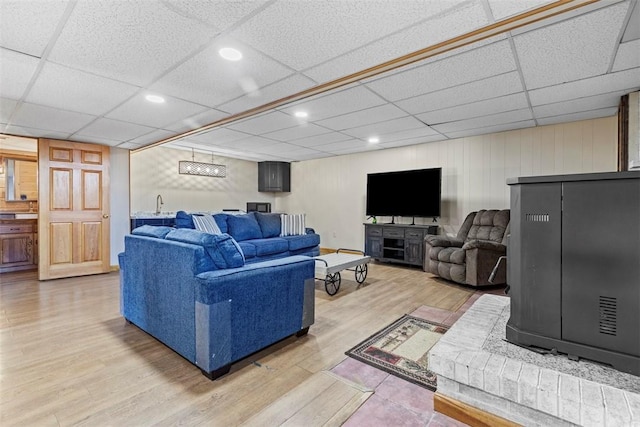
274 176
574 266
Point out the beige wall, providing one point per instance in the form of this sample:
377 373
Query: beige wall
331 191
155 171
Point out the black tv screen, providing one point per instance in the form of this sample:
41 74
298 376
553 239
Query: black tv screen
408 193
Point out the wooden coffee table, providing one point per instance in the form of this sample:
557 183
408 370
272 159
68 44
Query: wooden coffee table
329 266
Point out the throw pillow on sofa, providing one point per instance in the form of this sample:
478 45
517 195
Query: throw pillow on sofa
185 220
269 224
292 224
244 227
206 223
222 248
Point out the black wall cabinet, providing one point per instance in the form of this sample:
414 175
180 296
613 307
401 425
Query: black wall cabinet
274 176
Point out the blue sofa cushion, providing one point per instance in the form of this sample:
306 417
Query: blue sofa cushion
302 241
222 248
221 219
158 231
244 227
184 220
248 249
269 224
274 245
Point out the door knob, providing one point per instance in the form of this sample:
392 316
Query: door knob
105 216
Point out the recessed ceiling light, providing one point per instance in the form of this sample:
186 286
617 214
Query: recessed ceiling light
301 114
154 98
374 140
230 54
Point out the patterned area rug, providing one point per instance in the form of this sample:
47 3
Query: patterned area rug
401 349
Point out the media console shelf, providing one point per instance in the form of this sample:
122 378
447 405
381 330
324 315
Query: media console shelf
401 243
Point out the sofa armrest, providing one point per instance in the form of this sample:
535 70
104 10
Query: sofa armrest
443 241
486 245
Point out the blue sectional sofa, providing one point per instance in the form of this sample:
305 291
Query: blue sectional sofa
194 292
259 235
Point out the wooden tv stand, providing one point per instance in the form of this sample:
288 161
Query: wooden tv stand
400 243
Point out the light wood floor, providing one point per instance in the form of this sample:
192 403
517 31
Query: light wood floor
67 357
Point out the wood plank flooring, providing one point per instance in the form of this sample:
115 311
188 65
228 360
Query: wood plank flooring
67 357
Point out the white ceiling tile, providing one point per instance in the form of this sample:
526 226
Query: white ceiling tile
16 71
505 8
445 25
514 101
217 14
264 123
46 118
484 121
114 130
7 106
585 115
197 120
95 140
325 138
298 132
139 110
548 57
254 143
134 42
278 148
628 79
386 127
35 132
363 117
589 103
219 136
350 144
473 65
73 90
492 87
209 79
628 56
280 89
413 141
336 103
27 26
151 137
129 145
424 131
289 30
492 129
632 32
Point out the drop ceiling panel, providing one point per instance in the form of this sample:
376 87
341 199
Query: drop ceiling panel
40 133
196 121
363 117
408 134
484 121
587 52
73 90
254 143
16 71
492 87
628 56
7 106
325 138
350 144
217 14
210 80
46 118
134 42
628 79
590 103
470 66
219 136
27 26
412 141
95 140
514 101
337 103
152 136
492 129
303 130
264 123
445 25
632 31
383 128
504 8
140 111
289 30
280 148
114 130
280 89
586 115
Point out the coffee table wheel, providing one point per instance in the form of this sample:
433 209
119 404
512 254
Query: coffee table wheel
332 283
361 272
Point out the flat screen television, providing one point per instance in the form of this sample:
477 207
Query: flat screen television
410 193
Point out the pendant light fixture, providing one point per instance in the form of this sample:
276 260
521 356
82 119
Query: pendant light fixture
186 167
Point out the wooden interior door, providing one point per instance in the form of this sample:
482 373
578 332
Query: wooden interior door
73 224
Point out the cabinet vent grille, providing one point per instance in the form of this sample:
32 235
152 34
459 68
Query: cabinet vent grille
536 217
608 315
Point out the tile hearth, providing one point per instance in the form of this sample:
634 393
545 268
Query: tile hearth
475 365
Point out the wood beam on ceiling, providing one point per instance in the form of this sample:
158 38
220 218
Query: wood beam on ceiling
518 21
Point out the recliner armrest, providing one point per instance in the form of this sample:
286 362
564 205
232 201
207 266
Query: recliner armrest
485 244
443 241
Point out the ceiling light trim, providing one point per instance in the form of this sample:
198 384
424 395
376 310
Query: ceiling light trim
526 18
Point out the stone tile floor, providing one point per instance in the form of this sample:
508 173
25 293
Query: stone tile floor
397 402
